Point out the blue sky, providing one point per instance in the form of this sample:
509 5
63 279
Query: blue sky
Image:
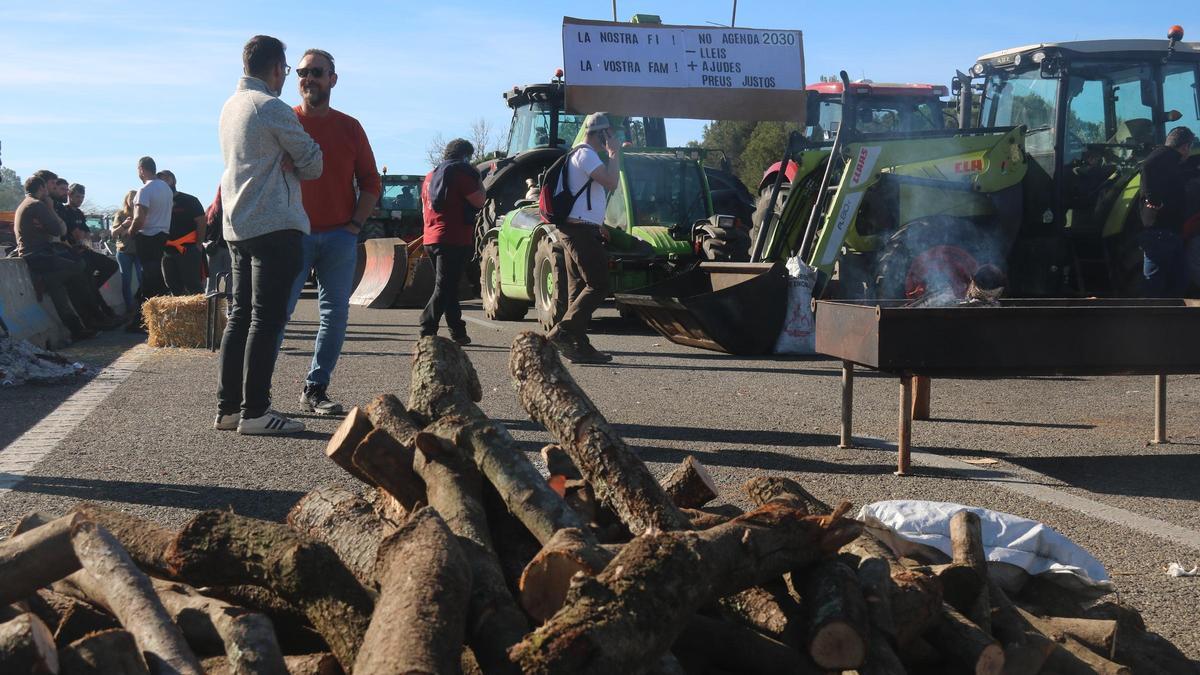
91 86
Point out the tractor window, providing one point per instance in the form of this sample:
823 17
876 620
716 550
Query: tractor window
1015 99
665 190
400 196
531 128
1085 117
1180 95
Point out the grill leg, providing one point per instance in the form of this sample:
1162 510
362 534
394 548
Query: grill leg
1160 410
846 440
920 406
904 443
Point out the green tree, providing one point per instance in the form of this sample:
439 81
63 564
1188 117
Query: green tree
11 190
750 146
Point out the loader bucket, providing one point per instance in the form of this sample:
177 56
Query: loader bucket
385 271
418 284
737 308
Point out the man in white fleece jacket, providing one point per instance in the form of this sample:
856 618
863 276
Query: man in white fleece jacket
267 154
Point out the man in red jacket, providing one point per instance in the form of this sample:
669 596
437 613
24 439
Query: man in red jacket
450 195
336 214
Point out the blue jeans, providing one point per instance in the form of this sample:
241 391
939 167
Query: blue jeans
332 256
1164 265
130 267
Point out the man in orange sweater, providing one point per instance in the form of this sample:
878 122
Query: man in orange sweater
336 213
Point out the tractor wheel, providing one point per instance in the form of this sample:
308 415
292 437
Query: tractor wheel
495 305
549 283
760 208
934 253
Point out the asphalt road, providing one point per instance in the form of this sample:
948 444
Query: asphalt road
149 447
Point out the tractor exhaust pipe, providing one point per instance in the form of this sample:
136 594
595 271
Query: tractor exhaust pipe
966 102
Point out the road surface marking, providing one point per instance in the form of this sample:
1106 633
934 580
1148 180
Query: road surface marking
484 322
1049 495
21 456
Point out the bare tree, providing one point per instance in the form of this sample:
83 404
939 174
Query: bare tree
481 138
433 152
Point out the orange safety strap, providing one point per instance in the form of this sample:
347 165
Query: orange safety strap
178 244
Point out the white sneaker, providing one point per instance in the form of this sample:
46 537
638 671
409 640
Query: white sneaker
227 422
270 424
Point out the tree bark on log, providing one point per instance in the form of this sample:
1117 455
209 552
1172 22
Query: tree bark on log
559 463
319 663
108 652
425 585
690 486
881 658
630 614
1025 647
1072 657
347 523
26 646
444 383
966 547
80 619
128 592
961 584
966 643
388 462
763 489
769 609
144 540
386 412
293 630
1098 635
837 616
36 558
452 482
219 548
340 449
547 577
621 480
211 626
707 643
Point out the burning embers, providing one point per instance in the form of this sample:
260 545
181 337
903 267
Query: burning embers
983 289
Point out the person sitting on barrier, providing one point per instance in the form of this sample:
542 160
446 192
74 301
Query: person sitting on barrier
182 268
127 260
100 268
266 154
1164 266
37 227
582 238
336 212
449 195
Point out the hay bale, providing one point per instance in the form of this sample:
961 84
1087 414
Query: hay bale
179 321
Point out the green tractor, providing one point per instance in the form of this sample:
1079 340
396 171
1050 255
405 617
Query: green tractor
660 218
1043 188
398 213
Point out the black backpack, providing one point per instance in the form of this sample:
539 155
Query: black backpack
554 204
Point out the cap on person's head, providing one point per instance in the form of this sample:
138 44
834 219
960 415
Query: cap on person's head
596 121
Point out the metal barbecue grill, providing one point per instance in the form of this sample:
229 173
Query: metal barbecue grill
1011 338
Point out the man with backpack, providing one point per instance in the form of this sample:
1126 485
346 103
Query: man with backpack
450 194
581 195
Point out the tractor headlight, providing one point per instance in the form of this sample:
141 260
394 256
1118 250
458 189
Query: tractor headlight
977 69
1038 57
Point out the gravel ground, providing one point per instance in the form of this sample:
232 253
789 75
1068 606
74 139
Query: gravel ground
149 447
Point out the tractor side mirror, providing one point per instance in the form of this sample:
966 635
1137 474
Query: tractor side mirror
812 110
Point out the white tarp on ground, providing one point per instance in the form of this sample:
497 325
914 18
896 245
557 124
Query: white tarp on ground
1028 544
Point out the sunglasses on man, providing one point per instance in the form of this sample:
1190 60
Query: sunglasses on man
315 71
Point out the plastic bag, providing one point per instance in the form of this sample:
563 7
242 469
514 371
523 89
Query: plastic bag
797 335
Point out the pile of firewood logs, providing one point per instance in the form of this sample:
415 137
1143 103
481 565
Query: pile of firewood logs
460 555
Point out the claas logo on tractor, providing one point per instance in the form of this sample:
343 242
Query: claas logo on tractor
969 166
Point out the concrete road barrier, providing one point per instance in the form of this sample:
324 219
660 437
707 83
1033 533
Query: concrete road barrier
25 317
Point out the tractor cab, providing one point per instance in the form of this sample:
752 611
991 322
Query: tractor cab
1092 111
398 213
879 108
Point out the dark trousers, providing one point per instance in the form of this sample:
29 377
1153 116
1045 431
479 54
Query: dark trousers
67 285
1164 264
150 252
99 266
181 271
263 270
587 275
448 262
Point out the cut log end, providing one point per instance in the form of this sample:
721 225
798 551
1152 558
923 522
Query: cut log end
353 429
838 645
690 485
545 581
27 646
991 661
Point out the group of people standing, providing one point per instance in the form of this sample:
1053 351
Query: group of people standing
297 187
